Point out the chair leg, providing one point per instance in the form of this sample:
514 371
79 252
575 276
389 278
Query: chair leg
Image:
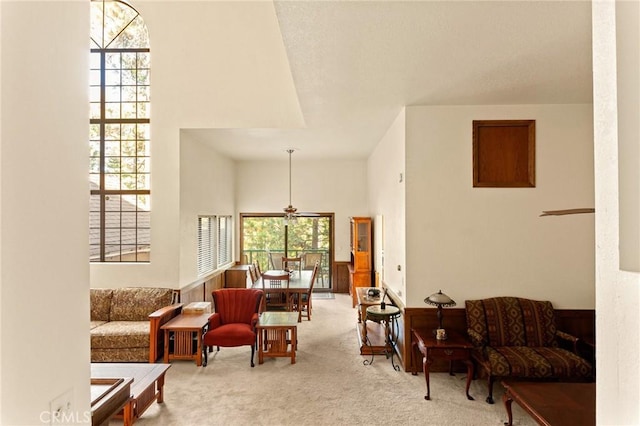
253 350
490 384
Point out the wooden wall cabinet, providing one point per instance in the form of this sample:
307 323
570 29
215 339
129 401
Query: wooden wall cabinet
361 256
238 276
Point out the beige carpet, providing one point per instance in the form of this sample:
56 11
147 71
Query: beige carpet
328 385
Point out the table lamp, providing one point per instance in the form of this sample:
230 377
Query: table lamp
440 299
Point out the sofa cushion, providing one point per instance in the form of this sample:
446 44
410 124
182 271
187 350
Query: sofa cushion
120 355
100 302
94 324
136 303
230 335
541 362
512 321
121 334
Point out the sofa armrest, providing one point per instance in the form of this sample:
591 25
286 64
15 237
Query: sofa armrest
475 338
569 338
214 321
156 320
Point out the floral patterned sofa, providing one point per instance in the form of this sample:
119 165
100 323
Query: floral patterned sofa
517 338
125 323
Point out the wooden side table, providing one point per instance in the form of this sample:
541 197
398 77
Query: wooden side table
185 328
456 347
273 340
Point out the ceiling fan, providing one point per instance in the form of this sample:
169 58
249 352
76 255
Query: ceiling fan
291 213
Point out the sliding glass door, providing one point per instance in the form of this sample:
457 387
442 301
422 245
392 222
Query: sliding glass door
266 238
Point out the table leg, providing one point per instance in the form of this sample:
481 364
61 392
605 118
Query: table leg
294 345
205 354
127 413
160 384
506 398
166 346
364 329
414 345
260 346
425 367
199 348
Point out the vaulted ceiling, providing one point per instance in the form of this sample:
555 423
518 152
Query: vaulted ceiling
355 64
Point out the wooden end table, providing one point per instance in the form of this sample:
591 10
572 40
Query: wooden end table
273 340
455 347
186 328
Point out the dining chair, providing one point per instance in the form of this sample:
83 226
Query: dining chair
310 260
303 303
234 321
275 285
256 264
292 263
253 273
275 260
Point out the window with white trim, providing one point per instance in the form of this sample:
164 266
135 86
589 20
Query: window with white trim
119 141
224 240
206 245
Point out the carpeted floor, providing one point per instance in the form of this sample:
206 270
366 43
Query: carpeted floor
328 385
324 295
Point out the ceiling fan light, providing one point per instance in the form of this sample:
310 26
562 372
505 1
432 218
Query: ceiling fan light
290 219
290 211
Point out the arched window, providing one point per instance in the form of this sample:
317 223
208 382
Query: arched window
119 168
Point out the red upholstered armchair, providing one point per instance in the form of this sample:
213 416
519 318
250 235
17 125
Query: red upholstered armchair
234 321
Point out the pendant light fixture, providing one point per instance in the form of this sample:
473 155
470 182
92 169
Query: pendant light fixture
290 211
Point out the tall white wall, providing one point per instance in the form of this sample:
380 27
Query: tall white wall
44 280
617 291
483 242
338 186
628 95
207 182
199 79
386 176
1 118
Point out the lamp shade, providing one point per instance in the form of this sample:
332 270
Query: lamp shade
439 299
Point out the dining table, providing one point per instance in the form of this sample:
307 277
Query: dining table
299 283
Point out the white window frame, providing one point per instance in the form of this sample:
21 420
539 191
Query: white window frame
215 243
225 240
206 245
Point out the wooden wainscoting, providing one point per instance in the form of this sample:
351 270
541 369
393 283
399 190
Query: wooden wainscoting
578 322
201 291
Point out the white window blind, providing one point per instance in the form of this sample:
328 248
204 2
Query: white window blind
205 244
224 240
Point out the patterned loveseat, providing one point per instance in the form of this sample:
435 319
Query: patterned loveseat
517 338
125 323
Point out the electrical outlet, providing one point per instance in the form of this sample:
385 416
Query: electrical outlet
61 408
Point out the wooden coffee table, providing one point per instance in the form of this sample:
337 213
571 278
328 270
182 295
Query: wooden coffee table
273 339
147 385
553 403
